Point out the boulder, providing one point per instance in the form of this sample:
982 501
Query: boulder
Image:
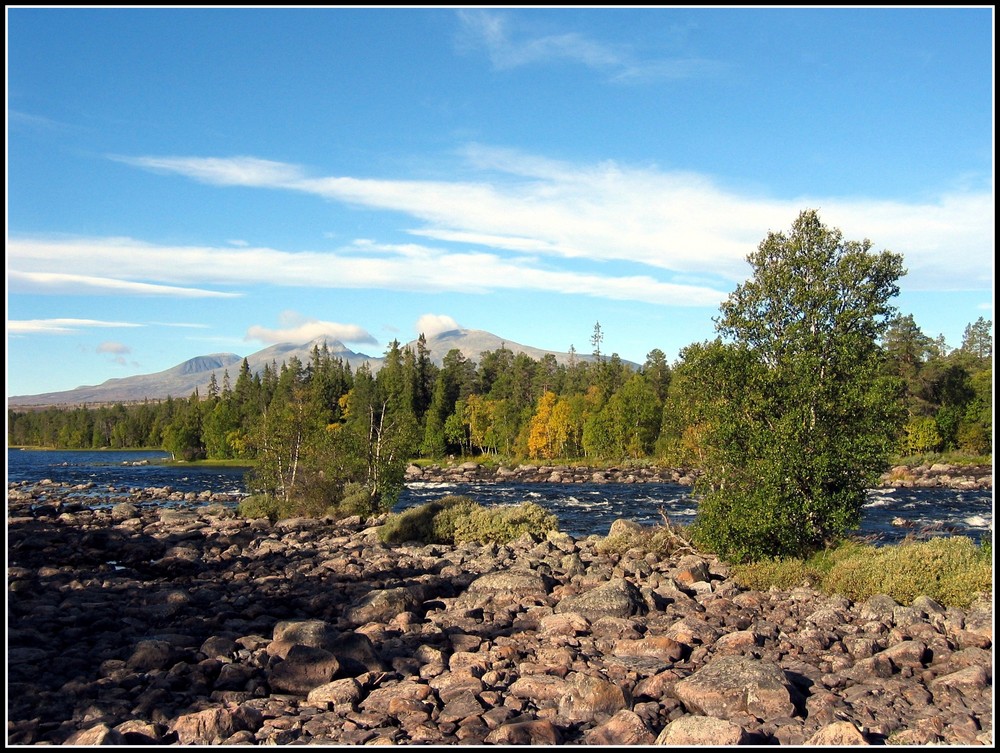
616 598
303 669
732 685
701 730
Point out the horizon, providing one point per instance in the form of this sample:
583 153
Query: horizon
220 180
375 361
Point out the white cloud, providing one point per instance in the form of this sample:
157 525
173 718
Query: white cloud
434 324
298 329
81 284
59 326
114 348
675 222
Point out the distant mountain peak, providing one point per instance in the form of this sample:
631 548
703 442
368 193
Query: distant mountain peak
198 364
182 380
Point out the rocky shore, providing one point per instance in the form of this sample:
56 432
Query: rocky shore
142 625
924 476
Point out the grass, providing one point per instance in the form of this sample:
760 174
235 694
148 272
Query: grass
950 570
949 458
210 463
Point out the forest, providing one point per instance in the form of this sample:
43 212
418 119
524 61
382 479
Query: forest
509 405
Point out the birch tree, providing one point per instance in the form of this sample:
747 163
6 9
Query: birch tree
802 415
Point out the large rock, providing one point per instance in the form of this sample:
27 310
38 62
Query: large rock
381 606
624 728
731 685
536 732
99 735
592 698
213 726
701 730
503 586
616 598
354 651
840 734
539 688
691 569
315 633
151 655
303 669
346 692
657 646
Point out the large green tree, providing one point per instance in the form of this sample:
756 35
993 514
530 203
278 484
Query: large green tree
801 415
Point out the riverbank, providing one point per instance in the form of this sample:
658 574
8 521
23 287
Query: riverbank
142 626
937 475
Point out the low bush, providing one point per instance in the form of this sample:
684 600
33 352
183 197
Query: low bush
418 523
950 570
456 519
259 506
955 457
356 499
502 524
783 574
314 501
455 509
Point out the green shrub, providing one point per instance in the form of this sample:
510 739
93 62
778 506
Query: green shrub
785 574
259 506
504 523
456 519
920 435
356 499
454 510
951 570
418 523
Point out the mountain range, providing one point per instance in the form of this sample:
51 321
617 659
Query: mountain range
182 380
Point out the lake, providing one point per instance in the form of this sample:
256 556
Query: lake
582 509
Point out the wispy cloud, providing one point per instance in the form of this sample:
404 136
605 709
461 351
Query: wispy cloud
410 267
24 120
184 325
509 44
81 284
297 328
228 171
59 326
676 224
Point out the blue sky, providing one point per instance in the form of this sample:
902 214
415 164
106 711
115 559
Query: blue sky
191 181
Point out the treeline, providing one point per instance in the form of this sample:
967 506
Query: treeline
509 405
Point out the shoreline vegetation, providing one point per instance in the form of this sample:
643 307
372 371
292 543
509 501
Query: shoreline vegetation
951 470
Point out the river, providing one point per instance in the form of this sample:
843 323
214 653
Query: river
582 509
